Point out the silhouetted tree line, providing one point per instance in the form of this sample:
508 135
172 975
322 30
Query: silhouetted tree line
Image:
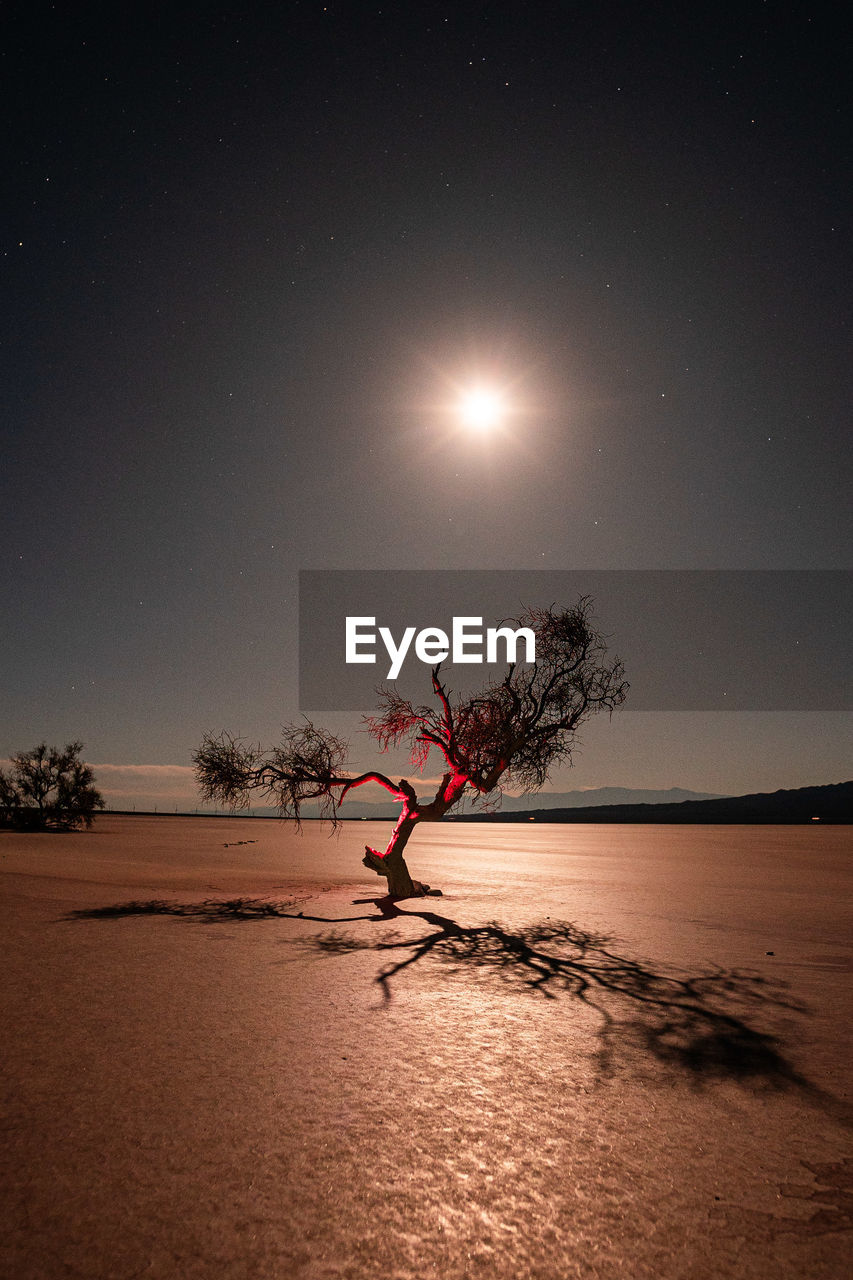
48 789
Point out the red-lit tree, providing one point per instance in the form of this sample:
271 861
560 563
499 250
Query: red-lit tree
511 733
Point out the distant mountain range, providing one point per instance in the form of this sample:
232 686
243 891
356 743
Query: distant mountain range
543 800
832 804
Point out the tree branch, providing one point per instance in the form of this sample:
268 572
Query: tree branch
402 790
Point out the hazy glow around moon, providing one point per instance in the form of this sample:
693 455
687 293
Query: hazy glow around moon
481 408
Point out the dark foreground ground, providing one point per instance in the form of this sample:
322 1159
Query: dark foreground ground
605 1052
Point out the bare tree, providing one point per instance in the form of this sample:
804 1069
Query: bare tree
49 788
512 733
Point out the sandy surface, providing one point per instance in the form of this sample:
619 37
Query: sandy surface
614 1080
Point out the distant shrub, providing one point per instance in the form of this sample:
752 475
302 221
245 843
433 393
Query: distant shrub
48 790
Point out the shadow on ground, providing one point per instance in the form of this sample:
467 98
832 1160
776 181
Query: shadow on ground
716 1024
829 1193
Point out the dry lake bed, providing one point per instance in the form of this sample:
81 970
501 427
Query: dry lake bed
605 1051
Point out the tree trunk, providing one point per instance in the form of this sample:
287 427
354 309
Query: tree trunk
392 864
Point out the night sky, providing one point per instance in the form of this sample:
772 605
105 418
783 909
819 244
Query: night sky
249 258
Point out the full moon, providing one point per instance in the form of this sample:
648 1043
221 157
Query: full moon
481 408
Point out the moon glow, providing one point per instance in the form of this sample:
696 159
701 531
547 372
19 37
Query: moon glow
481 408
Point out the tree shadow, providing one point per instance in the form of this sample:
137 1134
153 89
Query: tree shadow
829 1194
211 911
701 1024
718 1024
